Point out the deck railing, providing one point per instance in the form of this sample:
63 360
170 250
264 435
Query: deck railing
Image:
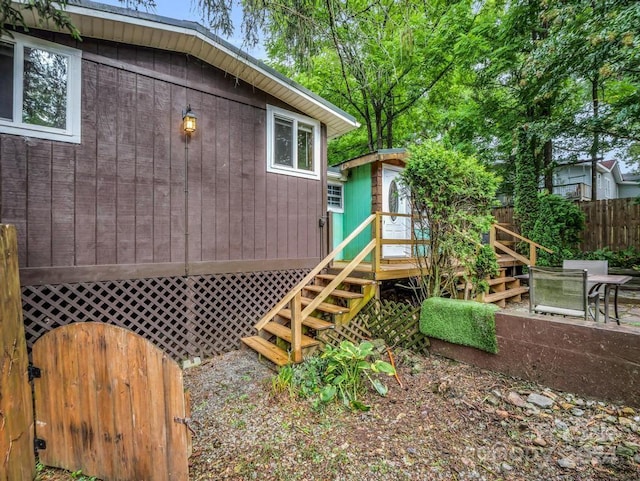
294 298
575 191
500 246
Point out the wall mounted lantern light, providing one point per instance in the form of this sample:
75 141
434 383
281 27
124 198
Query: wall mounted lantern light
188 120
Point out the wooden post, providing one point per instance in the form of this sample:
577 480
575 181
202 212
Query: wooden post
492 237
296 327
377 235
532 255
16 406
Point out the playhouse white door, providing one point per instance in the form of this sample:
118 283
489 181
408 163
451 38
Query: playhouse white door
395 201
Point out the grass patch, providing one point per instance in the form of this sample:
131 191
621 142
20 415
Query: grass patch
467 323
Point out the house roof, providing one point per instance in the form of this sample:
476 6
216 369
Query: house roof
117 24
604 166
380 155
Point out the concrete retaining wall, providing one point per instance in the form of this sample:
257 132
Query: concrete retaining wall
601 361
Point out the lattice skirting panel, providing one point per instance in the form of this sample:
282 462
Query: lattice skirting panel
184 316
398 323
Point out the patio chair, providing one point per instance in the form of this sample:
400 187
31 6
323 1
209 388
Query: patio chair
592 267
561 291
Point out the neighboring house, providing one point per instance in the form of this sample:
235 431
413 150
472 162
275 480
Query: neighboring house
122 216
574 181
630 186
370 184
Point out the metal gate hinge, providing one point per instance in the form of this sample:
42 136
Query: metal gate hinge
186 422
34 372
40 443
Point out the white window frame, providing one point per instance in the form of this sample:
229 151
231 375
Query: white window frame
332 208
72 132
607 188
272 112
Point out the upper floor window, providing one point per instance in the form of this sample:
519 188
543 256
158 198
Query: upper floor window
335 198
293 144
39 89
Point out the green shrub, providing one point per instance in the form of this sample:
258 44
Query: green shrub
338 374
452 194
628 258
468 323
485 266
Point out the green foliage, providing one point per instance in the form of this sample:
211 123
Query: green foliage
453 194
525 208
558 226
628 258
347 368
485 266
468 323
46 11
81 477
338 374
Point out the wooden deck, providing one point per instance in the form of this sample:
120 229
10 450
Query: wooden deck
387 269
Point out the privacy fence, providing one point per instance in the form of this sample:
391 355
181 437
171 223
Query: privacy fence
611 223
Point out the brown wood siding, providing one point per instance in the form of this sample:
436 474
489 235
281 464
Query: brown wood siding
119 197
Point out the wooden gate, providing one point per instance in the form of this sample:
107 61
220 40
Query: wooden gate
111 404
17 461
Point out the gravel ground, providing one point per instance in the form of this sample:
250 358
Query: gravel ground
449 421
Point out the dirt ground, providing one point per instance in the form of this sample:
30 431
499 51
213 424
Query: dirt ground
448 421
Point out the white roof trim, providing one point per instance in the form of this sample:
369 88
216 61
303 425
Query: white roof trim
200 42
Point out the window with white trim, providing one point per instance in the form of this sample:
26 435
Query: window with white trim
335 197
293 144
607 188
39 89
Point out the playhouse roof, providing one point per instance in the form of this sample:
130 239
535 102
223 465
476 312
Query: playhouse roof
117 24
379 156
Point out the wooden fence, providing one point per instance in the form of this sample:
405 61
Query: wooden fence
611 223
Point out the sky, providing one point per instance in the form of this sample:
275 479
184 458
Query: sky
184 10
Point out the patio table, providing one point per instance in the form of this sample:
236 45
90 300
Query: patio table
608 281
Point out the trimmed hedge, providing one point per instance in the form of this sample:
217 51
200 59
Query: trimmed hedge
468 323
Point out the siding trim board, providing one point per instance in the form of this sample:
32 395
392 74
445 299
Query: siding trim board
57 275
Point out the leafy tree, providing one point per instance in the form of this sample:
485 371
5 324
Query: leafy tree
452 194
378 59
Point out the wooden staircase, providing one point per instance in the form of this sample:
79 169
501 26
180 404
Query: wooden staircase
275 340
320 301
506 286
325 300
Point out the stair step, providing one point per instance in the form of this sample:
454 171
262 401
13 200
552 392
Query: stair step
336 292
270 351
326 307
500 280
505 294
491 282
356 281
284 332
312 322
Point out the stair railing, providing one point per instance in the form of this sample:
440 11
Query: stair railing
499 246
294 298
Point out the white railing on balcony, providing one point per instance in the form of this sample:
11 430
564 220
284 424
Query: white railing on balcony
575 191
